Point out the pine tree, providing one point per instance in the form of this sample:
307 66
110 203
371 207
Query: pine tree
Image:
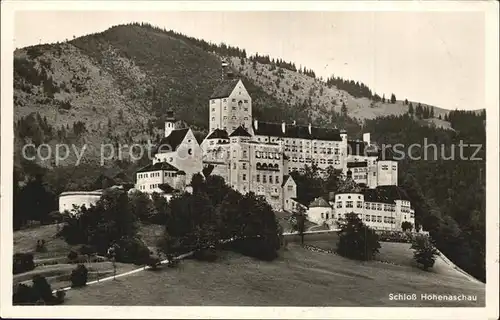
393 98
410 109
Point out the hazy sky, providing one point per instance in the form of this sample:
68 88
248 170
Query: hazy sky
432 57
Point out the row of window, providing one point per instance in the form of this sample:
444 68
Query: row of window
316 161
360 177
264 179
225 100
267 155
151 186
386 167
232 118
270 166
350 204
374 218
378 206
360 170
155 174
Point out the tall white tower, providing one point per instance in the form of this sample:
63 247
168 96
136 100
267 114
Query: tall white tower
169 123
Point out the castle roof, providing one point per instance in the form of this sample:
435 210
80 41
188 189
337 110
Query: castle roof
224 89
165 166
295 131
174 139
218 134
240 132
319 203
385 194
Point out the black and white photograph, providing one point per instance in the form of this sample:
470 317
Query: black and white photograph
329 156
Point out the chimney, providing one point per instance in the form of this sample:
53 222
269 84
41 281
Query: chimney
310 128
169 123
256 124
283 126
366 138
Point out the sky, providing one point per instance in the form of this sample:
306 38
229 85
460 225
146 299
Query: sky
436 58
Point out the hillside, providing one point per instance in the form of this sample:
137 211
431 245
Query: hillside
121 82
279 82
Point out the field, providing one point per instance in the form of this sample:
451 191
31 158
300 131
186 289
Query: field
299 277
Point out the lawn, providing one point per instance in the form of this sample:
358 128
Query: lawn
58 274
299 277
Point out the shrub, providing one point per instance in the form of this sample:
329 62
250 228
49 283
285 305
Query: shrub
72 255
60 295
79 276
424 252
43 289
208 254
87 249
357 240
40 246
23 294
23 262
132 250
153 262
406 226
259 248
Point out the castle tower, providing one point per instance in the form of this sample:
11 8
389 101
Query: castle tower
169 123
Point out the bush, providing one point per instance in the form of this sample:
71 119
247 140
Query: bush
87 250
406 226
132 250
153 262
259 248
43 289
357 240
424 252
79 276
40 246
22 262
208 254
23 295
39 293
72 255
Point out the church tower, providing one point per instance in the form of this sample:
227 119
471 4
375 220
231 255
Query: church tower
169 123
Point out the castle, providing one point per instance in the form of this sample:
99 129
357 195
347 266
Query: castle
261 157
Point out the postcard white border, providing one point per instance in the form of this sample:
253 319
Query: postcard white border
490 9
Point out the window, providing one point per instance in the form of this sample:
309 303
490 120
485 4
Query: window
244 153
374 206
327 216
277 179
244 177
367 218
243 166
290 188
270 179
379 218
374 218
367 206
213 109
339 204
224 100
234 165
379 207
360 204
322 215
349 204
258 178
213 118
385 167
264 180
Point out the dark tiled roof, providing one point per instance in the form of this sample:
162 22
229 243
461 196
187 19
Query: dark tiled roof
295 131
173 140
158 166
385 194
285 178
181 172
218 134
224 89
240 132
357 164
